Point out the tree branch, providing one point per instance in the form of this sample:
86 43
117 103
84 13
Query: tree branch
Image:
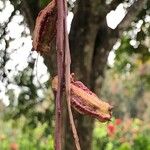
132 12
26 11
114 4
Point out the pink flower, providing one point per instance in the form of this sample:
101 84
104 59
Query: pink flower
111 129
14 146
118 121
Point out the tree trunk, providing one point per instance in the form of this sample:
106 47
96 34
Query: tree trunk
89 50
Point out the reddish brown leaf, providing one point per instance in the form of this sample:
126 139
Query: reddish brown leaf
85 101
45 28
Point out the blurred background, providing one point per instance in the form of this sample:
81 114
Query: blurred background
110 50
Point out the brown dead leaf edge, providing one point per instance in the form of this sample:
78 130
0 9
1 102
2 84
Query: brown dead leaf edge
50 24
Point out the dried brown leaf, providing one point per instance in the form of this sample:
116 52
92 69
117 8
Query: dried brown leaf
85 101
45 28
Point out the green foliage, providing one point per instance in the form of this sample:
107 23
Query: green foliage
100 136
120 134
122 61
142 142
14 136
43 3
134 47
130 134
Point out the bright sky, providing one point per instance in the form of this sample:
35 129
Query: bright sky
115 16
23 45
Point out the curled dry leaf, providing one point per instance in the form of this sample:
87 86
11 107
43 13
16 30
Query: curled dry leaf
45 28
85 101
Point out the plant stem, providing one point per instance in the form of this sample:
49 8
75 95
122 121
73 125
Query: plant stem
67 80
60 64
63 66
